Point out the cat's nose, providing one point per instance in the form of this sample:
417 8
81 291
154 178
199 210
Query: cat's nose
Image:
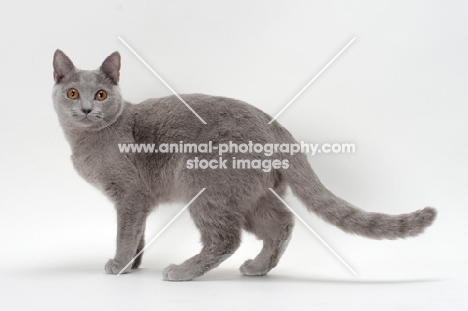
86 110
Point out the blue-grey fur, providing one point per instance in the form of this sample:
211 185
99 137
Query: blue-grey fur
234 199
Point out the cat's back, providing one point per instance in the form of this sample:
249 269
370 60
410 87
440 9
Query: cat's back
169 119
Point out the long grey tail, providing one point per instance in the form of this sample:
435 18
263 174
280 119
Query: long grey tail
318 199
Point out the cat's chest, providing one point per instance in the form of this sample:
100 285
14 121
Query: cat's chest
96 167
89 166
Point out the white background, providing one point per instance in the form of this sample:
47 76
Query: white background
399 93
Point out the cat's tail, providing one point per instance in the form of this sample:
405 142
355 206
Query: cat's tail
318 199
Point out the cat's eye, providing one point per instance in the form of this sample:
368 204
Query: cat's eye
101 95
73 93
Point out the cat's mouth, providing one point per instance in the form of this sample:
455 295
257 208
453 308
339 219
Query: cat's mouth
87 118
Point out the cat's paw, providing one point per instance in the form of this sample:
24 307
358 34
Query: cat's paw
177 273
250 268
114 267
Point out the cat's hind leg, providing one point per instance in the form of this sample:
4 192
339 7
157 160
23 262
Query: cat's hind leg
220 235
271 222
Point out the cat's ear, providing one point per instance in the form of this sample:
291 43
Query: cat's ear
63 66
111 67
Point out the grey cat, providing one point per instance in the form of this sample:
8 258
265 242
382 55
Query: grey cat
95 119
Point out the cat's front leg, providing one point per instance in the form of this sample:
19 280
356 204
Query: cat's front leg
131 218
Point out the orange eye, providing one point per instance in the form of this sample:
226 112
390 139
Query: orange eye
73 93
101 95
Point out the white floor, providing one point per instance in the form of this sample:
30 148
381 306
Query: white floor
82 285
69 288
53 259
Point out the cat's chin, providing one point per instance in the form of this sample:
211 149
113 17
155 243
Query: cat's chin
90 123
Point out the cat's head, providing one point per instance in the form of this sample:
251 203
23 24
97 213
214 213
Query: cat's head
87 99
